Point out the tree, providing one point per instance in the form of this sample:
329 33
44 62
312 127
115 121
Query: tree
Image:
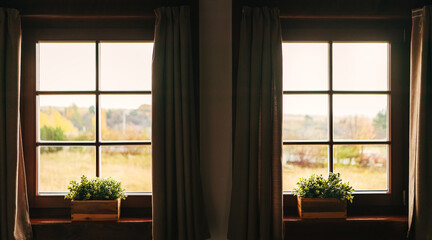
52 134
380 124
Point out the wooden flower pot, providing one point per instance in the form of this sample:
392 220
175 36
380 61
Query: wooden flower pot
313 208
95 210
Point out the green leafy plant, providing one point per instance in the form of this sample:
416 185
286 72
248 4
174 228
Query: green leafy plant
316 186
95 189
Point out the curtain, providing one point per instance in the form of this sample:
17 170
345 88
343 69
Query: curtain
178 209
256 199
420 152
14 215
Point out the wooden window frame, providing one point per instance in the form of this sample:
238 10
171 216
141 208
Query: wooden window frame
46 205
395 32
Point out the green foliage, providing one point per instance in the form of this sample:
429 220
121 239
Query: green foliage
380 123
319 187
95 189
50 133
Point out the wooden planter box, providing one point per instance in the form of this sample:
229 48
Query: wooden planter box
312 208
95 210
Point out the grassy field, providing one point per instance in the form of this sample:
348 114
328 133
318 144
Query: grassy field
134 170
58 168
361 178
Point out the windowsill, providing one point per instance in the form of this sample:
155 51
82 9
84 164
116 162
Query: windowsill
369 218
47 221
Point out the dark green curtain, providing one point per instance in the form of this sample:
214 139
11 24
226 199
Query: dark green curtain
14 215
420 159
256 199
178 209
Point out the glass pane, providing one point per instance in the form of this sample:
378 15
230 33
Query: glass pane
302 161
305 66
363 166
67 117
67 66
126 117
305 117
360 66
126 66
59 165
129 164
360 117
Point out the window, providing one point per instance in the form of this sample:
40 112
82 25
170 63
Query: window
94 113
335 112
86 109
345 108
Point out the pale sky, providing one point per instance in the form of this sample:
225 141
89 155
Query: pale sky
123 66
356 67
127 66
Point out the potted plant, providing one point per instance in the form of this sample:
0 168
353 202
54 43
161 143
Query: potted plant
95 200
318 197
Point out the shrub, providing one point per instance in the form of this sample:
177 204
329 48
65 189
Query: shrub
319 187
95 189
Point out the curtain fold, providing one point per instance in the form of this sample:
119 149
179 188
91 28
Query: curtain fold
14 214
256 200
420 152
178 209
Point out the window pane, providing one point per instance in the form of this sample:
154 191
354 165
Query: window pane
59 165
360 117
67 118
126 117
363 166
360 66
66 66
129 164
302 161
305 66
126 66
305 117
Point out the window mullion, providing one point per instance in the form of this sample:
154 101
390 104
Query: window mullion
330 65
97 124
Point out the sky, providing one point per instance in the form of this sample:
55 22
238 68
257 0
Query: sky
127 66
72 66
356 67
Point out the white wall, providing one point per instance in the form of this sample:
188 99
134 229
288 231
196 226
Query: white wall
216 111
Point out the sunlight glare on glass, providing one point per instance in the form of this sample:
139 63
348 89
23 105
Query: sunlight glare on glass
305 66
360 66
126 66
66 66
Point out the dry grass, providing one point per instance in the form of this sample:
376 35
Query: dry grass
361 178
134 171
58 168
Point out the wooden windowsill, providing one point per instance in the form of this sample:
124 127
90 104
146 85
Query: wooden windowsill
382 218
46 221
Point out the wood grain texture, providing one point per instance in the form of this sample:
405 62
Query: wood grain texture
95 210
321 208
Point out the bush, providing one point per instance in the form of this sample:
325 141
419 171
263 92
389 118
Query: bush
95 189
319 187
53 134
